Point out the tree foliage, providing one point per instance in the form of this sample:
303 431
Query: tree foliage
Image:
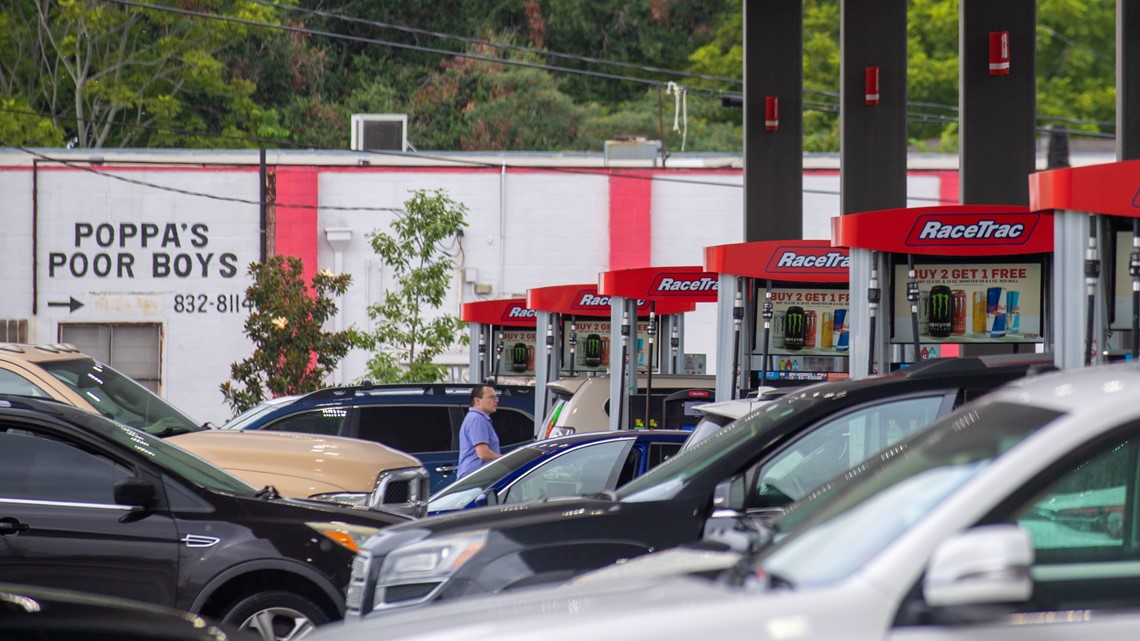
409 333
292 352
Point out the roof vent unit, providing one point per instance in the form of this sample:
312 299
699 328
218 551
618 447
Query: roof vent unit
379 132
632 151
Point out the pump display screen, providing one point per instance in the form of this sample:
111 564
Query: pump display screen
970 302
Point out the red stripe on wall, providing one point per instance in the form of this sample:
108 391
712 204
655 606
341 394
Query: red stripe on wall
631 200
948 189
296 211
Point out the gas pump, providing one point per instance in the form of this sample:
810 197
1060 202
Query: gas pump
496 323
800 304
960 281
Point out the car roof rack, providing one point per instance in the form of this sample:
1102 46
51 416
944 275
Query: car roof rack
367 388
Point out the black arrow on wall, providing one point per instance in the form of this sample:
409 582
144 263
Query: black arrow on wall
71 305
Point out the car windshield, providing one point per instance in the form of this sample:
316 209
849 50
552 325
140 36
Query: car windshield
253 414
167 456
708 425
467 489
666 480
120 398
848 521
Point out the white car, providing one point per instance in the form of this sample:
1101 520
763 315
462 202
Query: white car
715 416
951 534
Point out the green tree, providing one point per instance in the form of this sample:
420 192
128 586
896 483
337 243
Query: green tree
292 352
408 337
114 75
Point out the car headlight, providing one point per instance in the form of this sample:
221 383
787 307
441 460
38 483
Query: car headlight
432 559
344 534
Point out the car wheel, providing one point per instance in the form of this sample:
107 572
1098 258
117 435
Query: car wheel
275 616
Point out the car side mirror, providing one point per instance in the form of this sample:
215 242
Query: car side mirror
490 497
983 565
135 492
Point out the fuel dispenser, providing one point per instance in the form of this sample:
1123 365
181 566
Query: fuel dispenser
960 280
660 288
1096 285
502 339
783 311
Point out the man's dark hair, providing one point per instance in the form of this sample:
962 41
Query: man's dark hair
477 392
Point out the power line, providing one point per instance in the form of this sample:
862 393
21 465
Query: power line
400 45
503 46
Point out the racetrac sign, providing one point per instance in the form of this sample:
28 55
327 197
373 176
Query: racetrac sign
515 313
960 230
589 300
681 284
797 260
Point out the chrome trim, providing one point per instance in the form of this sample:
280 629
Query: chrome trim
96 506
419 486
200 541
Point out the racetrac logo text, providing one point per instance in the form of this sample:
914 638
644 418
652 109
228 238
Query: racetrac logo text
972 229
516 313
683 284
805 259
591 300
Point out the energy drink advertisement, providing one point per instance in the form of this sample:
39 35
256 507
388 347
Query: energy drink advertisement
809 322
517 358
593 349
971 303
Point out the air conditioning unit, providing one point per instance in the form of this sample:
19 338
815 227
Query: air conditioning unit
379 132
632 151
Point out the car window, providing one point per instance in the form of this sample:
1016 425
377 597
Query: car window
512 426
13 383
1085 516
840 444
37 468
658 452
329 421
408 428
581 471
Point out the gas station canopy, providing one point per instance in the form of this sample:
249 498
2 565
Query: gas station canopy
808 261
960 230
679 284
510 312
585 300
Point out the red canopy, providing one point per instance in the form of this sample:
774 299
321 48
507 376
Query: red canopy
511 312
584 300
1110 188
808 261
687 283
959 230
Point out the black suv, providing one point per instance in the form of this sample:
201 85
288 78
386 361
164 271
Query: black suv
421 419
93 505
737 478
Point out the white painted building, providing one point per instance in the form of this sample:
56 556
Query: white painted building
155 245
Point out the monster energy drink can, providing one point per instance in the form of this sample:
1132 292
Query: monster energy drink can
593 350
941 311
518 357
923 312
777 328
794 327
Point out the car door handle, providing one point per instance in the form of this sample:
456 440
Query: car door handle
447 468
12 525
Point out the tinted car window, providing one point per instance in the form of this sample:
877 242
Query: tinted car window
12 383
582 471
329 421
840 444
408 428
658 452
42 469
512 426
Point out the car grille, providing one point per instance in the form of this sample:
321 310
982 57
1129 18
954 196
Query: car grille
397 492
408 592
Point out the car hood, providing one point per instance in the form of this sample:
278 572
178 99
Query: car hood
517 515
299 465
644 608
674 562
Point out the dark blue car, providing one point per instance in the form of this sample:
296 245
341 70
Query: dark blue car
421 419
578 465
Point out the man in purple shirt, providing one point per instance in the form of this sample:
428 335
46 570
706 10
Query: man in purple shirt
478 442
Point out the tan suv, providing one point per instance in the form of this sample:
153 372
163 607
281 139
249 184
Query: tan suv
365 473
582 404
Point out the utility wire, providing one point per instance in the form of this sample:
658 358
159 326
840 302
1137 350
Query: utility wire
400 45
